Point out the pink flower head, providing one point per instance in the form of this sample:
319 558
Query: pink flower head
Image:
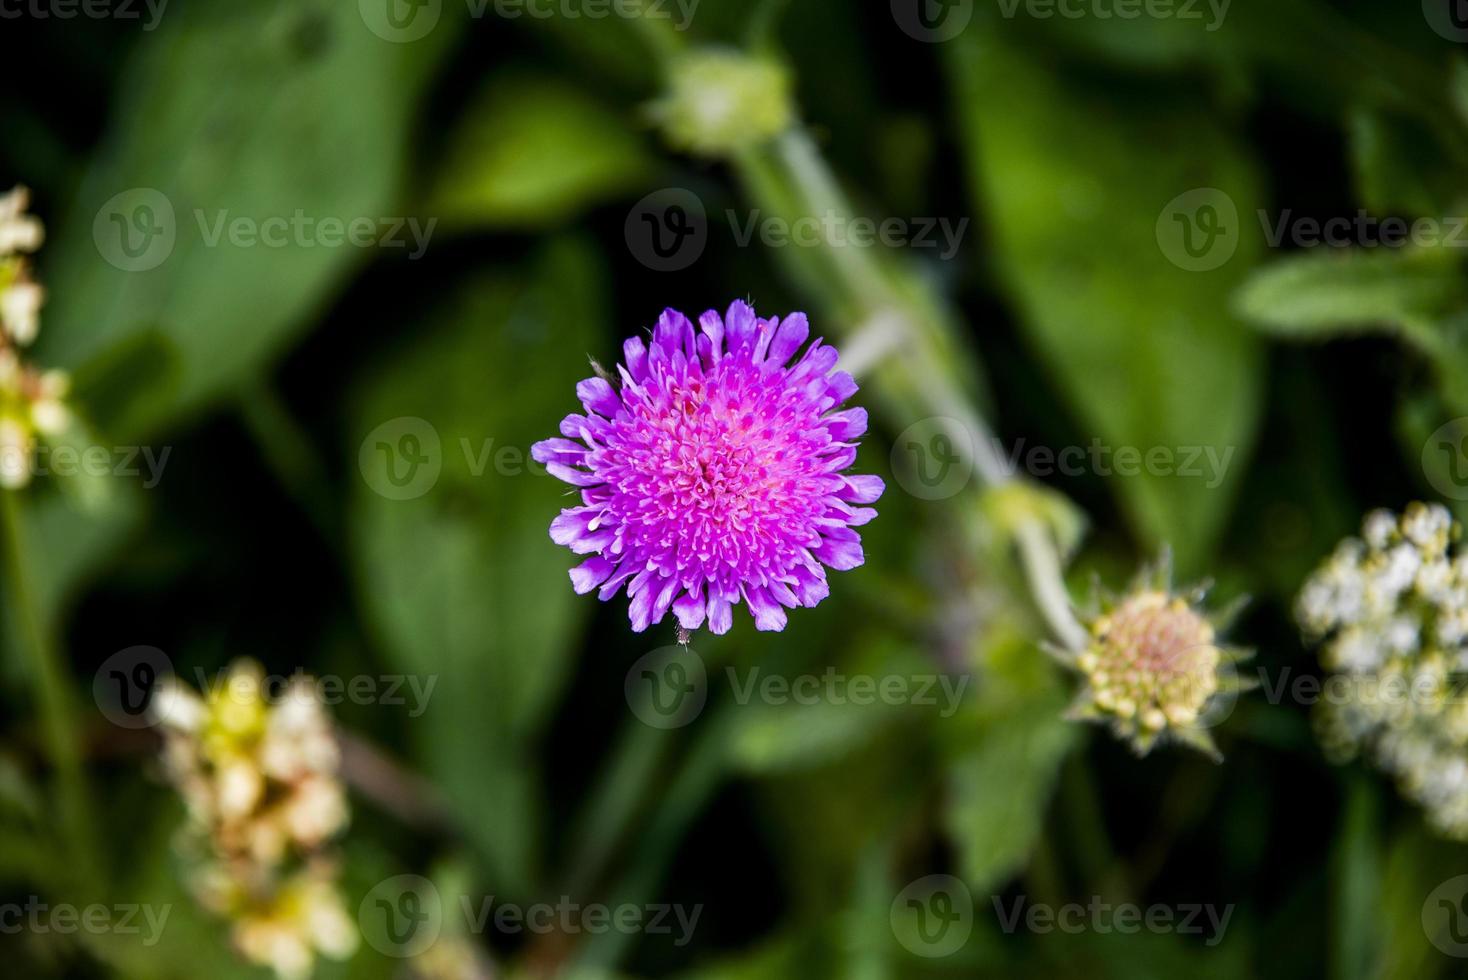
714 472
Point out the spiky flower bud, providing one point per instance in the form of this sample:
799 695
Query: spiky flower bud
1153 668
1390 610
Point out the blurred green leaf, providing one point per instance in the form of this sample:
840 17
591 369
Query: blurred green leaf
1356 923
1144 347
463 583
1335 291
533 150
64 543
1000 790
312 125
1401 169
795 736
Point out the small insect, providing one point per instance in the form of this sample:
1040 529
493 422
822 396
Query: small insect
684 636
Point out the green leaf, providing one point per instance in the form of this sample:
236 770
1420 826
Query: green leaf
311 126
1401 168
534 150
1001 788
1143 346
1357 920
806 732
1342 291
462 582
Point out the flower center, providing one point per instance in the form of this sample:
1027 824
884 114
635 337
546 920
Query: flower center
720 470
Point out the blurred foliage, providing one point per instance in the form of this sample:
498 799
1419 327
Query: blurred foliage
795 826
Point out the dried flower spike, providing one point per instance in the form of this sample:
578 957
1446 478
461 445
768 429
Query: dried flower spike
714 473
259 778
32 402
1154 669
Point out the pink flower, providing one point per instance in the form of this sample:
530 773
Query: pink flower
714 472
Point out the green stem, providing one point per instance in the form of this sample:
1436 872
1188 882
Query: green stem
59 724
621 790
916 374
622 793
702 774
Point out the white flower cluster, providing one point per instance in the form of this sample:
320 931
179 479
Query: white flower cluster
20 296
259 780
1391 609
31 402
